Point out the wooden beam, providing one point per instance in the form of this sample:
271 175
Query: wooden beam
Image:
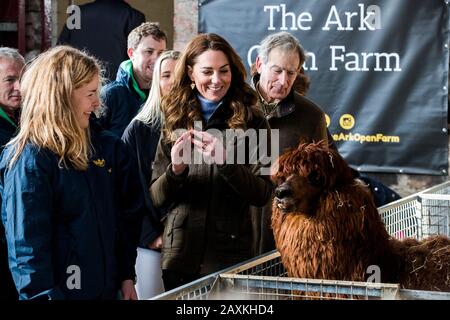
21 27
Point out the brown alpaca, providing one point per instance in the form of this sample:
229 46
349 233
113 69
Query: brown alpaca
326 226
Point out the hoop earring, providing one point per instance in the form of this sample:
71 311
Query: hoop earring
192 85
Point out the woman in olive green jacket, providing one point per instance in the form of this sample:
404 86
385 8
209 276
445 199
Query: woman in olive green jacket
205 178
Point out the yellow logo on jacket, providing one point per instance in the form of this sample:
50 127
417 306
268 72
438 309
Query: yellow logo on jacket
99 162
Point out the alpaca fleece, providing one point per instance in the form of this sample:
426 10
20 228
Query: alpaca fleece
326 226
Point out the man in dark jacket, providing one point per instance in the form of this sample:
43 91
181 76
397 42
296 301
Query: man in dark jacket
124 96
104 28
11 65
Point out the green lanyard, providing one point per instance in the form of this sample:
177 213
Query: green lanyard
128 67
6 117
137 89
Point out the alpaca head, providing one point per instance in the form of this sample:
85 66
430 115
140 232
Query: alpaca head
324 221
305 174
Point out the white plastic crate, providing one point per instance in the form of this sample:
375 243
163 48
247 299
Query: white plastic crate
419 215
264 278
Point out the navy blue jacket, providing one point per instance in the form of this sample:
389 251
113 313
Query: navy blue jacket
7 131
8 291
121 101
142 140
56 218
105 25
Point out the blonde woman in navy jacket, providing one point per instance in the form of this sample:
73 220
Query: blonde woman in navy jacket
72 203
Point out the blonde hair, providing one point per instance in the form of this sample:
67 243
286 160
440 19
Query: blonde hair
48 119
151 113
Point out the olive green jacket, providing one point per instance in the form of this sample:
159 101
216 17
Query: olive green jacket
208 226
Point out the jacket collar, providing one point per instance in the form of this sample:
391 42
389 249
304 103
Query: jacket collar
220 116
282 109
5 116
126 77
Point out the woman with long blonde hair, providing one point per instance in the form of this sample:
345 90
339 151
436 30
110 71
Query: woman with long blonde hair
142 136
72 205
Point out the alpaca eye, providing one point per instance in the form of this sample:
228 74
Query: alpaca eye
280 180
315 179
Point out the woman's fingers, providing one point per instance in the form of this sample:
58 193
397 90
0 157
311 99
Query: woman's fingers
202 136
201 146
184 139
208 145
179 163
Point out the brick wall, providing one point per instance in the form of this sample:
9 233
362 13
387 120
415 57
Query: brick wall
32 28
185 22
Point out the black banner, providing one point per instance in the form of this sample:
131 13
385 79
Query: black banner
378 68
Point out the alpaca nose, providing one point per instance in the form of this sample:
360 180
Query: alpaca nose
283 191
